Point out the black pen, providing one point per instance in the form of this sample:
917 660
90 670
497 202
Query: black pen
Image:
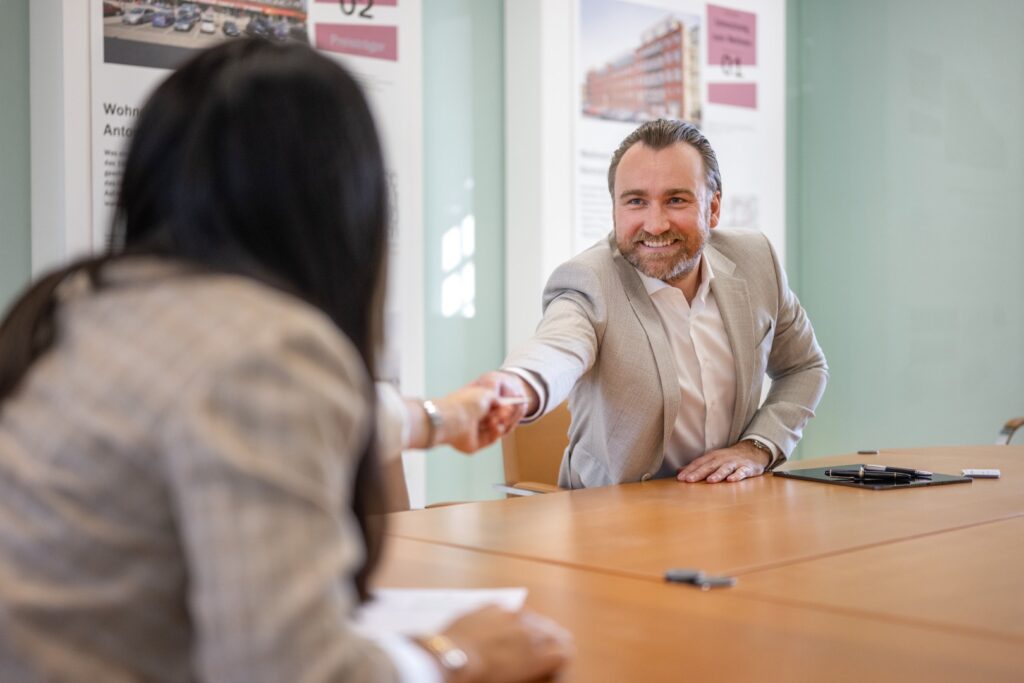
922 474
869 475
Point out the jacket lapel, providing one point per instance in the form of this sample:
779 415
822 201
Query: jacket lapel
733 301
647 315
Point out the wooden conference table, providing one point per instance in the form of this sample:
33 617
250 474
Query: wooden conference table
833 583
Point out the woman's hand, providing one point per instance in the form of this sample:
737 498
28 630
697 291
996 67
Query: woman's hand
505 647
470 418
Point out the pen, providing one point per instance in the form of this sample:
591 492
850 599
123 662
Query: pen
923 474
869 475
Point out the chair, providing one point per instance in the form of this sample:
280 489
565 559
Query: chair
1006 433
533 453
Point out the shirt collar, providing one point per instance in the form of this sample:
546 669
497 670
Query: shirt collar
654 285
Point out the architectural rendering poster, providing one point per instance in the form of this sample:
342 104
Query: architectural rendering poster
639 60
135 45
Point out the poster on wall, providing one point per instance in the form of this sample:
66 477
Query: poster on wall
378 41
135 45
639 60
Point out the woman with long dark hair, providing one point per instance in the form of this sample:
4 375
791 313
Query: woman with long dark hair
188 466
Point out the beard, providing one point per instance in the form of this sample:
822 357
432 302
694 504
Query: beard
671 265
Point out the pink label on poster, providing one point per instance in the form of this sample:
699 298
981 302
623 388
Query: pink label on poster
378 42
732 37
347 5
734 94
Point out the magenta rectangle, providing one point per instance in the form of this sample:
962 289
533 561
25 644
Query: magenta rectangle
734 94
732 37
377 42
349 3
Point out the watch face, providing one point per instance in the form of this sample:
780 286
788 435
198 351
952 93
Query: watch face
454 659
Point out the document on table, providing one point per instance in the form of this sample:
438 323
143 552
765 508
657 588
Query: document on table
411 611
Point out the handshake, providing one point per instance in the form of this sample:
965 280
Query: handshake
473 416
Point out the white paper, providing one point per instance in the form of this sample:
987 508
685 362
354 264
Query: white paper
417 611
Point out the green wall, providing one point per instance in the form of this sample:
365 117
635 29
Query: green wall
907 216
463 180
15 235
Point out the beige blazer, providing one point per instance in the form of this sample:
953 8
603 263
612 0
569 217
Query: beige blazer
602 336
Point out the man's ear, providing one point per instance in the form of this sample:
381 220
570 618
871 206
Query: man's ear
716 210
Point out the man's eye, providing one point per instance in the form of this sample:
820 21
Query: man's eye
635 201
677 200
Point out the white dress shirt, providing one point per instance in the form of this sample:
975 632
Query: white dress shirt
704 365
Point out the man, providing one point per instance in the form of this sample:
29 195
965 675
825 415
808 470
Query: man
662 335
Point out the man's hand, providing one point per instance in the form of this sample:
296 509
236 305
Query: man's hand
510 386
467 422
734 463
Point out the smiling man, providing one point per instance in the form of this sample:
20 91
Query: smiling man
662 335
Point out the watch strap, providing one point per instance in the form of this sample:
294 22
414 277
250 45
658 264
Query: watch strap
434 422
452 658
762 446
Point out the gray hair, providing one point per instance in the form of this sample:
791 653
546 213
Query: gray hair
662 133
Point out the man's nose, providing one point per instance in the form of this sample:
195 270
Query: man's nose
658 222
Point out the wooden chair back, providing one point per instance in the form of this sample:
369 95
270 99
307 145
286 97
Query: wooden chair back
532 453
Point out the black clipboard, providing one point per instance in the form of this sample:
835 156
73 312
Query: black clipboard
818 474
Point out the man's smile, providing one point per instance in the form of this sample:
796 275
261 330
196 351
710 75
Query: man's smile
658 242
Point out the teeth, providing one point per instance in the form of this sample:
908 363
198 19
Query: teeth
657 243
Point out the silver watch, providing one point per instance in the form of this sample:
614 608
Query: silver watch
762 446
434 422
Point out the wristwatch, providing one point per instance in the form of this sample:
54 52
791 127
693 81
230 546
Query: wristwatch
762 446
434 421
452 658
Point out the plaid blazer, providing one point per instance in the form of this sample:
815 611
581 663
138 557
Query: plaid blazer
175 478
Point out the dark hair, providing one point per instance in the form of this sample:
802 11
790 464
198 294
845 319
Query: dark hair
261 160
661 133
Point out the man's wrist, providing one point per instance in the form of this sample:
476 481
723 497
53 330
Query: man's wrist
531 390
761 450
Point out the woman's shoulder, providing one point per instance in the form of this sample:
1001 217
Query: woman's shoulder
179 323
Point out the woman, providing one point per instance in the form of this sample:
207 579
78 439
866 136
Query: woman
187 459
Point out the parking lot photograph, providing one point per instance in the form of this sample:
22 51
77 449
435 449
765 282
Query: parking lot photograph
164 33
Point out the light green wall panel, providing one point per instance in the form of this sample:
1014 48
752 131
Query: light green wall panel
15 231
463 187
908 213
